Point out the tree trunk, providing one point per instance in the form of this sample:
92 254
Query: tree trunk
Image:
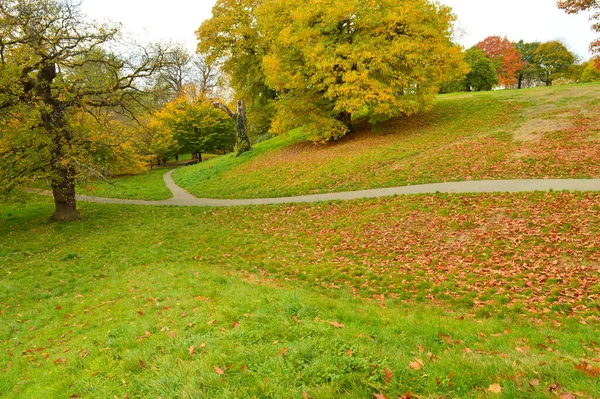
520 84
64 198
241 129
56 126
346 119
241 126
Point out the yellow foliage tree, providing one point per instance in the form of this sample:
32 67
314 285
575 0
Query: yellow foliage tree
331 60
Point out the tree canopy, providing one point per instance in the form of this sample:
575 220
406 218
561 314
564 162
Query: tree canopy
552 59
483 72
324 62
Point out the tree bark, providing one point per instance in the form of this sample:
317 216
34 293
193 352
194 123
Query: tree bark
64 200
241 125
56 126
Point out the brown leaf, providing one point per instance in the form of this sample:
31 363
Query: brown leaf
212 322
192 350
304 395
535 382
142 364
388 375
495 388
283 351
337 325
235 324
60 360
467 350
379 396
417 364
219 370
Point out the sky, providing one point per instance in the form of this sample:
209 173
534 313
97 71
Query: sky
530 20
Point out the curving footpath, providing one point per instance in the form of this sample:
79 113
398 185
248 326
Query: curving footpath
183 198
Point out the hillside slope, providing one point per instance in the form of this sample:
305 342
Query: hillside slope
548 132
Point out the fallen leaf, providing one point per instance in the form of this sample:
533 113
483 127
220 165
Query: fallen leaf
60 360
567 396
379 396
417 364
467 350
192 350
235 324
283 351
388 375
304 395
219 370
337 325
535 382
142 364
212 322
495 388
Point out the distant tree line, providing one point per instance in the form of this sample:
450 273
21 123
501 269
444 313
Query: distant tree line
498 62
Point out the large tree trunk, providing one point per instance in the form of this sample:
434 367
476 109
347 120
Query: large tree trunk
56 126
64 198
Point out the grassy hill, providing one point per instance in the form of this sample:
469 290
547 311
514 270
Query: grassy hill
436 296
533 133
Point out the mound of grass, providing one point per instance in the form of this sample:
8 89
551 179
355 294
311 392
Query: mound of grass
266 301
547 132
145 186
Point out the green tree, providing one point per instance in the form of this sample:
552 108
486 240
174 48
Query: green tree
553 59
483 72
591 73
529 73
330 60
198 127
53 71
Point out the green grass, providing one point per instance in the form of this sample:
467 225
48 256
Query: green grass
145 186
111 305
547 132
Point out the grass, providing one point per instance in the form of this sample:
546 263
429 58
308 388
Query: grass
547 132
146 186
439 296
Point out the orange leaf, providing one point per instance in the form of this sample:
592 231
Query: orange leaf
219 370
212 322
495 388
304 395
388 375
192 350
337 325
142 364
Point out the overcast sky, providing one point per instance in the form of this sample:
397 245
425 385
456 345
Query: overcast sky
530 20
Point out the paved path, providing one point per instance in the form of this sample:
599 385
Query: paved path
183 198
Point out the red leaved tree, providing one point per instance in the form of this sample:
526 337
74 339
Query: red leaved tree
505 57
575 6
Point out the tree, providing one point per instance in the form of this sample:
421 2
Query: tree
505 57
330 60
184 74
575 6
55 67
483 73
553 58
529 73
198 127
591 73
